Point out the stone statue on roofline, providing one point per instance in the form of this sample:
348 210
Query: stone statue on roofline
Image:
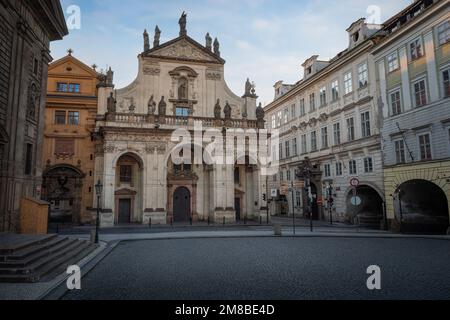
111 104
157 37
146 41
216 47
260 114
227 111
183 23
151 106
162 107
208 41
218 110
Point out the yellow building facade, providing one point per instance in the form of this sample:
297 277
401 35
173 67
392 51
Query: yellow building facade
69 146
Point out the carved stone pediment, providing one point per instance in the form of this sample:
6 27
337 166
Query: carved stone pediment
183 49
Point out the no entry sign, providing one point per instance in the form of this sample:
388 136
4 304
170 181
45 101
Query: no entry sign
354 182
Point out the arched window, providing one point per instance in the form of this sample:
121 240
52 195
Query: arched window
182 89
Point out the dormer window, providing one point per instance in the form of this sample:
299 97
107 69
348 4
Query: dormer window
309 70
356 36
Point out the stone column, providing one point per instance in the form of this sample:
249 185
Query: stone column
107 177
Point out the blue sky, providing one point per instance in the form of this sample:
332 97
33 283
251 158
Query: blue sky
265 40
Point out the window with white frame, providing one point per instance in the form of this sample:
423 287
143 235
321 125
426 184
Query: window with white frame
327 170
302 107
304 145
392 61
348 83
274 122
337 133
298 199
324 133
443 32
286 116
425 146
287 145
365 124
335 90
312 102
280 118
448 130
313 141
350 129
368 165
396 102
420 93
339 169
294 147
280 151
400 156
293 113
352 169
323 97
288 175
415 49
281 176
363 75
446 83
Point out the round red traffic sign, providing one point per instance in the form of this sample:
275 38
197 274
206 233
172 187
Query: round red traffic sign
354 182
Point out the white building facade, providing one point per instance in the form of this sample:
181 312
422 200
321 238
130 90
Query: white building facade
331 117
180 83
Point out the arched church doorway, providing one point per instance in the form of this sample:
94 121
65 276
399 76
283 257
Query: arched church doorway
182 205
422 206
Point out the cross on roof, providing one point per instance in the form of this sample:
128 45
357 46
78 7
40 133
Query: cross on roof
70 51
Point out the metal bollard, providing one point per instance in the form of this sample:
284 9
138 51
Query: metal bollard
245 220
190 220
57 228
260 220
171 222
223 220
209 221
150 223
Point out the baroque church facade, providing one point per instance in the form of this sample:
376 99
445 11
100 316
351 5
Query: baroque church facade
179 83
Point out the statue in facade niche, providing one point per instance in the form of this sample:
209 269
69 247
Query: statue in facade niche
111 104
260 114
182 89
146 41
162 106
208 42
216 47
217 110
151 106
183 23
227 111
157 37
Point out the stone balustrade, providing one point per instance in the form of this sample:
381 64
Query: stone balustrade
177 121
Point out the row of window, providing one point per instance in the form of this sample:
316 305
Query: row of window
368 167
68 87
419 92
324 137
403 152
283 117
415 48
71 118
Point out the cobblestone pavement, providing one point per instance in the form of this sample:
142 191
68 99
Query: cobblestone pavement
270 268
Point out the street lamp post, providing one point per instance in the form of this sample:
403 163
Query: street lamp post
98 189
330 203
